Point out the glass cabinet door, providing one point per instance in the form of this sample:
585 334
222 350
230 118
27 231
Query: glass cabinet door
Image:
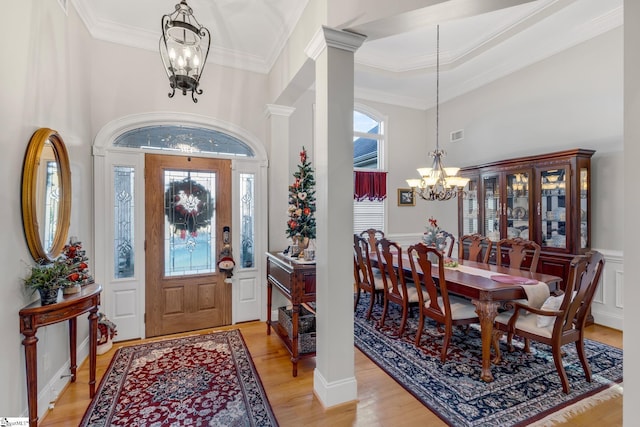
470 211
584 206
492 206
553 207
517 206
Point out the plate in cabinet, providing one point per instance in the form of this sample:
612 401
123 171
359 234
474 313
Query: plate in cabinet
519 213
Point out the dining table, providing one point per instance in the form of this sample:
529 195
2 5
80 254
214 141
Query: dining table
473 280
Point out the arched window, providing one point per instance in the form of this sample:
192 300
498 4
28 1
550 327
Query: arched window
185 139
368 149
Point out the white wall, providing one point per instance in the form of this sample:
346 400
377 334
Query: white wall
128 81
631 207
45 86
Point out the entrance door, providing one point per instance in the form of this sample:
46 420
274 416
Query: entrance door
187 205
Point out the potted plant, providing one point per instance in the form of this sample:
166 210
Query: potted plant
47 278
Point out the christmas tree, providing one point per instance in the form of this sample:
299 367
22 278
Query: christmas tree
302 201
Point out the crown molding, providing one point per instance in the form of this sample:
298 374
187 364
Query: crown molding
148 40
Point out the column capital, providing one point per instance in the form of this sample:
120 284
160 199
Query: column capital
330 37
278 110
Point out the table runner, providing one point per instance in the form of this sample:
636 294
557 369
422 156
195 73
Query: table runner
536 293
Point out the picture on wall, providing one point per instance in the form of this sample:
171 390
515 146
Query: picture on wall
406 197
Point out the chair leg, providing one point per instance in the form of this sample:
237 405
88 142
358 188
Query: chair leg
355 304
527 346
445 342
509 342
385 305
420 326
497 335
557 359
371 302
583 359
403 322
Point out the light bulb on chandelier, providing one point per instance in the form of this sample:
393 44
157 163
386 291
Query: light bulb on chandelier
438 182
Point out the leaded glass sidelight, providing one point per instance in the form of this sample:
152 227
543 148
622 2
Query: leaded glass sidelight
123 209
247 219
189 230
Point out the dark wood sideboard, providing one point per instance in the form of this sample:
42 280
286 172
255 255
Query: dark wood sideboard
68 308
297 282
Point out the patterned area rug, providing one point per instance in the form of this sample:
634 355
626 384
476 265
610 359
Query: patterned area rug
526 389
200 380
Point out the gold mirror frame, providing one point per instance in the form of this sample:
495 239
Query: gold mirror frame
30 203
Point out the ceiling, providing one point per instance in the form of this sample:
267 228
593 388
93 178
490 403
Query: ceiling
397 69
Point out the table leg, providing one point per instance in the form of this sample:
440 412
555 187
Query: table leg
73 328
295 311
269 295
30 351
487 311
93 345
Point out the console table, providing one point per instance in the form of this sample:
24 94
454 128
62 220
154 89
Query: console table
69 307
296 280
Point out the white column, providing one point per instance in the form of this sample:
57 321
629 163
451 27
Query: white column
334 376
279 177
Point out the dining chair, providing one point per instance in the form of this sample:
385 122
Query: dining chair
561 319
372 235
478 250
445 309
517 252
396 287
450 242
365 280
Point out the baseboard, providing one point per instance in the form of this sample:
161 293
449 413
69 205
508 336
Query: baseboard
607 319
336 393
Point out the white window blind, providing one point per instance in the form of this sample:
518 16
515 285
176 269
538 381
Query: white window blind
368 214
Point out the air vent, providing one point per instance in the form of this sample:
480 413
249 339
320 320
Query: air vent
457 135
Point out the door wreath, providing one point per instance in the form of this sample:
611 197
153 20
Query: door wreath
188 206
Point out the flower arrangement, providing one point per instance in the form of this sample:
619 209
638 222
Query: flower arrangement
434 236
302 201
46 275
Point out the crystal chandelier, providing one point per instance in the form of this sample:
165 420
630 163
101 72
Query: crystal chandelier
184 47
438 182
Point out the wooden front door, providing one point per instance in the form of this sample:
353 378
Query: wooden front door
187 205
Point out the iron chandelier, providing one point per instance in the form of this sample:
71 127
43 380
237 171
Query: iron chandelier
184 47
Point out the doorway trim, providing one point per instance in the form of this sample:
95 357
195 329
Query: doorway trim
106 156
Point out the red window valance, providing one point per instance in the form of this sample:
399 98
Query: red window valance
369 185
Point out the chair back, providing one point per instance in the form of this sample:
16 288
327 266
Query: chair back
372 235
450 242
519 252
390 253
362 272
479 248
419 257
584 277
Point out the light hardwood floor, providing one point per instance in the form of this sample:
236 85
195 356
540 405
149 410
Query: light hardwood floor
382 402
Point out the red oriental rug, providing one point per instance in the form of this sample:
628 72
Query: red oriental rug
200 380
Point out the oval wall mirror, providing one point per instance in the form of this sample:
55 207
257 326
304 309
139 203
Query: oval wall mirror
46 195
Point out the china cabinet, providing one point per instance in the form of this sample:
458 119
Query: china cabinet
544 198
